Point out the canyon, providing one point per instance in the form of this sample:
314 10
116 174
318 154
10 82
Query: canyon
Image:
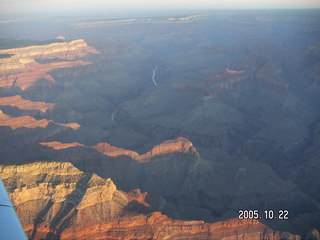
22 70
162 127
57 200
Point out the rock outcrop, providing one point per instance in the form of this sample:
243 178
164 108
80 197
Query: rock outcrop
231 71
58 145
158 226
175 171
264 70
58 201
30 122
63 50
23 104
22 70
179 145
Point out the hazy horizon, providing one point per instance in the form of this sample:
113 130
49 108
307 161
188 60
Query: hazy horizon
43 6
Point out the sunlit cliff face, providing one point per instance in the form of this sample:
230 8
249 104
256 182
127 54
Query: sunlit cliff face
23 104
81 205
22 69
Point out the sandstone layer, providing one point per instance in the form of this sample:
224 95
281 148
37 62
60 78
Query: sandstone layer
64 50
58 201
178 145
23 104
30 122
22 69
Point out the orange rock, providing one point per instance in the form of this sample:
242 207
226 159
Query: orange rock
234 71
64 50
30 122
19 102
158 226
77 205
179 145
33 72
59 145
113 151
22 70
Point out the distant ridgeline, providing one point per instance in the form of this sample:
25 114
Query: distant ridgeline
15 43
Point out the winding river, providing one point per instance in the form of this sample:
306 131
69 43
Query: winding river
153 75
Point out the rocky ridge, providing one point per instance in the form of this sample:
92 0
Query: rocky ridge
24 104
56 200
30 122
22 68
178 145
64 50
264 71
174 171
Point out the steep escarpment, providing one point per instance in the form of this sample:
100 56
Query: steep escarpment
30 122
34 71
54 196
22 68
56 200
187 183
64 50
24 104
158 226
179 145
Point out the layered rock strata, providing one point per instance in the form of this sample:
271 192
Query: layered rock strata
22 70
30 122
58 201
178 145
23 104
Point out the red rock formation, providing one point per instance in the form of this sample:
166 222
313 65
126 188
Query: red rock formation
58 201
19 102
63 50
159 226
113 151
59 145
33 72
179 145
22 70
30 122
137 195
234 71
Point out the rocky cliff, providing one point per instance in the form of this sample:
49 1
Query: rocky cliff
23 104
56 200
179 145
186 182
30 122
22 68
63 50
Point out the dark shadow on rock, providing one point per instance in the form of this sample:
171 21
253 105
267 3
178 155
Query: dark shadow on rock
135 206
68 208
